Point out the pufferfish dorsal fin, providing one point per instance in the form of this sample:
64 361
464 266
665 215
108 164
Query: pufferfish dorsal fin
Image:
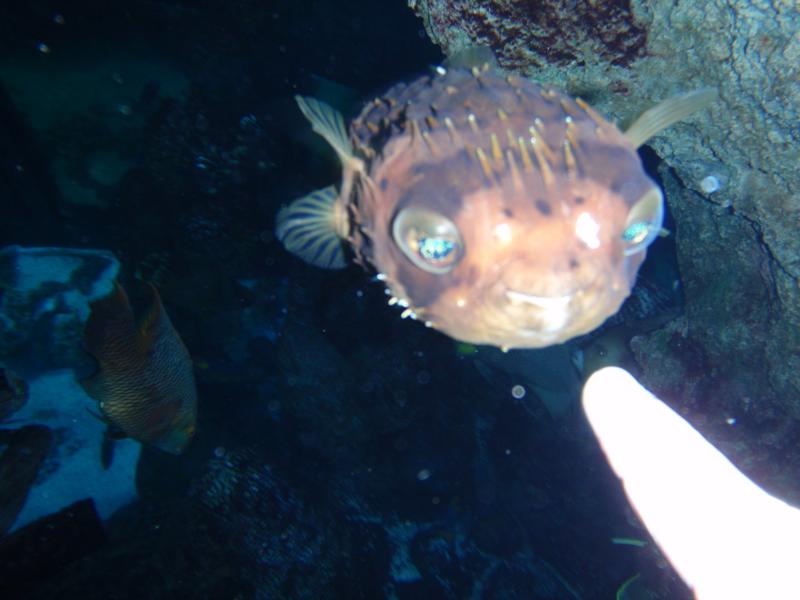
668 112
312 228
472 57
329 123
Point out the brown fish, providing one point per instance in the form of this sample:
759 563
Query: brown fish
494 209
145 384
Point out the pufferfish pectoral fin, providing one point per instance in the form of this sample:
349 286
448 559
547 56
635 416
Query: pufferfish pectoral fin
312 228
668 112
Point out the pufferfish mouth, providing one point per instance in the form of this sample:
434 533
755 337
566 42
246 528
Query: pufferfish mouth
544 316
541 315
547 303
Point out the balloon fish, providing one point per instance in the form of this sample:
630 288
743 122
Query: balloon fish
495 210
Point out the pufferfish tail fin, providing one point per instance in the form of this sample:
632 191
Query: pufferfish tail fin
329 123
312 228
668 112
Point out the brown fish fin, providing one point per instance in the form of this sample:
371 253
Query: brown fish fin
94 386
328 122
111 319
668 112
150 320
312 228
98 416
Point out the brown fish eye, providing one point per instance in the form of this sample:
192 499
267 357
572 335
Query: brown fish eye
429 240
644 222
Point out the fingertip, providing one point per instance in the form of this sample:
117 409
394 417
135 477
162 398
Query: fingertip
610 395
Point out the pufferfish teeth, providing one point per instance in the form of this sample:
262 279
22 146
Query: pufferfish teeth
548 303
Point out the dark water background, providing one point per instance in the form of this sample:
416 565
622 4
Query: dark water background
341 452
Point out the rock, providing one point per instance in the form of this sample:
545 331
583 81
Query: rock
44 548
733 182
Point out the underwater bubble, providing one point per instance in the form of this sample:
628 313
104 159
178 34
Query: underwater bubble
219 451
43 48
423 377
424 475
710 184
518 392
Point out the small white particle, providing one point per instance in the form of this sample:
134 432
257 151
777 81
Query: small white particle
710 184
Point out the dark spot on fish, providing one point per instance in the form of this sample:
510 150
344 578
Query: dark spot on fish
579 200
469 279
384 184
543 207
434 191
616 185
508 213
573 263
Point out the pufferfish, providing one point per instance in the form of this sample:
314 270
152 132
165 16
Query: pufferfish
145 383
495 210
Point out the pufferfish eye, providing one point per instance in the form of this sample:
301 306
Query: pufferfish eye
644 222
431 241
